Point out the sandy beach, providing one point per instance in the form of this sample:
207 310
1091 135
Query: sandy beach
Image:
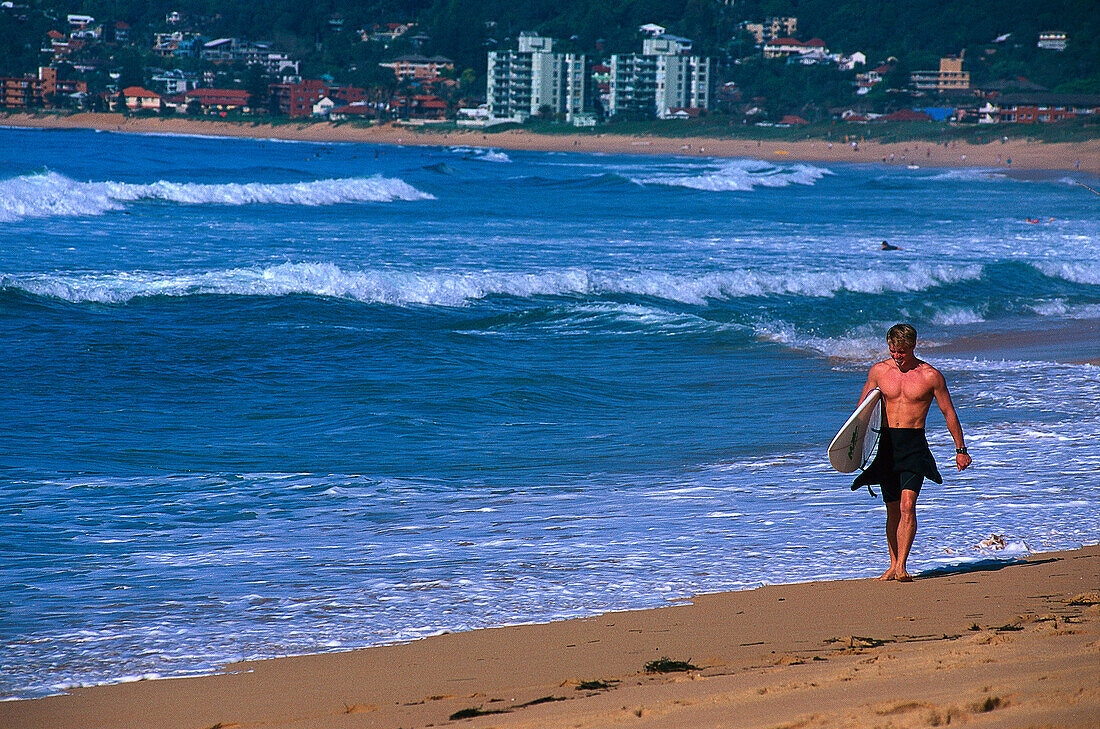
1024 155
1009 644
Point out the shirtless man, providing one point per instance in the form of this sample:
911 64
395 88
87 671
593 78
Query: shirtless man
908 386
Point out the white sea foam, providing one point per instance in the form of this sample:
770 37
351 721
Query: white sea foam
955 315
738 175
1081 273
399 287
860 347
485 155
1061 308
52 194
975 174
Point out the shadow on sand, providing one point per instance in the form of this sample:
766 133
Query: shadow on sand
983 565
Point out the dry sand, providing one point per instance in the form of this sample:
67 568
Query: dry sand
1025 155
1006 645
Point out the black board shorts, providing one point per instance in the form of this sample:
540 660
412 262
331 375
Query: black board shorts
902 462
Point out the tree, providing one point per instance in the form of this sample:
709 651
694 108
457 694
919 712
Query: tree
256 83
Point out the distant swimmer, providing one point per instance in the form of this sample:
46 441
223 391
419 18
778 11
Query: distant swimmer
909 386
888 247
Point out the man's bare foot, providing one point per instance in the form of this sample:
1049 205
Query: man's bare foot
903 577
887 575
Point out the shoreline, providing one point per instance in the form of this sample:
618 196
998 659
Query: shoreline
1024 155
994 644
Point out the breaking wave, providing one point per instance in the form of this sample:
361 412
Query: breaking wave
408 288
483 154
1079 273
51 194
738 175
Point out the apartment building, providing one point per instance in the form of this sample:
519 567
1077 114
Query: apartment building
772 28
950 77
415 67
43 89
1039 108
523 82
661 81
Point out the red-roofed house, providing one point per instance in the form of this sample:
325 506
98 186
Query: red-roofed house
905 115
787 47
215 100
783 47
358 110
421 106
139 99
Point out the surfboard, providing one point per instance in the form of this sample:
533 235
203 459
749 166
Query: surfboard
855 442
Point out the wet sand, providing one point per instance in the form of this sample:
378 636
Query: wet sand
1009 644
1024 154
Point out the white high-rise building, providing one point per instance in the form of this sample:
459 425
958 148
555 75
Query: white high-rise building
522 83
661 80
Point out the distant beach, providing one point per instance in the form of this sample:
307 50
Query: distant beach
1014 154
993 645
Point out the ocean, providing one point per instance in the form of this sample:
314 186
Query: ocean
267 398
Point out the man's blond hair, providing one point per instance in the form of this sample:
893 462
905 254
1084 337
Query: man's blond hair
902 334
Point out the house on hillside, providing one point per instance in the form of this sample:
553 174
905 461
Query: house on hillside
385 33
415 67
869 79
783 47
772 28
796 51
174 81
1053 40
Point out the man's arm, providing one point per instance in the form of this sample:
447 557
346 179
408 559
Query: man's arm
872 383
943 400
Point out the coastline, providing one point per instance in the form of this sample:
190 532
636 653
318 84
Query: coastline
1024 155
1004 644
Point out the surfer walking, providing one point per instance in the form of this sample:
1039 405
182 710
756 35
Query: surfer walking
908 386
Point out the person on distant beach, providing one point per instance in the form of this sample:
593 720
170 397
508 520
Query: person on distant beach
888 247
908 386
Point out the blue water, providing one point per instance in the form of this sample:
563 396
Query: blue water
265 398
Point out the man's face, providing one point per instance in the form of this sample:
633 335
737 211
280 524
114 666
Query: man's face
902 354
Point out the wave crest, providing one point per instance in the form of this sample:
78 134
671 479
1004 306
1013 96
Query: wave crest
739 175
51 194
1079 273
409 288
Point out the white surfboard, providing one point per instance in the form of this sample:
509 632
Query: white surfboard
855 443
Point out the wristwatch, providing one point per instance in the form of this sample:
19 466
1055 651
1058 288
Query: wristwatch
961 451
